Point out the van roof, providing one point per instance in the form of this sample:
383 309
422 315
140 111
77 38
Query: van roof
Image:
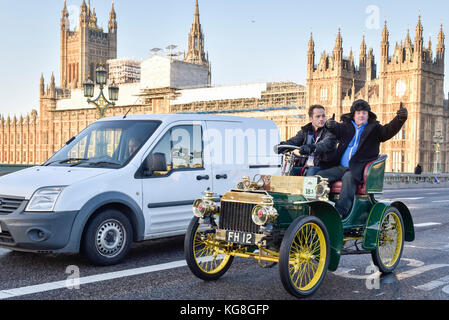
183 116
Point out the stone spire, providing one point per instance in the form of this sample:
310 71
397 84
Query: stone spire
42 85
311 54
338 48
384 45
440 44
419 38
351 59
65 18
84 14
195 53
92 17
311 43
408 41
362 56
196 16
112 19
339 40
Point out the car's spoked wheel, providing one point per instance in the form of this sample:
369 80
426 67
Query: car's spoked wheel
304 256
390 242
202 254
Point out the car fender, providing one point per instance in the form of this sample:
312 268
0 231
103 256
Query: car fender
375 217
134 212
332 220
407 218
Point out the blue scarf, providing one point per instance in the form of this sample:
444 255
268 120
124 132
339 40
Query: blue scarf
352 147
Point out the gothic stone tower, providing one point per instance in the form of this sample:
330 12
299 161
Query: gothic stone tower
412 75
86 47
196 53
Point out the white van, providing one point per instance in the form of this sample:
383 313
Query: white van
130 178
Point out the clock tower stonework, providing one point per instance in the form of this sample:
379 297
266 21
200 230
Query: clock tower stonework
413 74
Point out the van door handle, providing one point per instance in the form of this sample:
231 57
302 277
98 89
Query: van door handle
206 177
221 176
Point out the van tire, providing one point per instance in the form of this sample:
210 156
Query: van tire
107 238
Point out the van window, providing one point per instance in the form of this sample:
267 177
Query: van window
180 148
109 144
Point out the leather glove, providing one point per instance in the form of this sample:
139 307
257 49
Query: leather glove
307 149
278 149
331 124
402 112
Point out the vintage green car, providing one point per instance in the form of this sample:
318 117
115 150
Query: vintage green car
292 221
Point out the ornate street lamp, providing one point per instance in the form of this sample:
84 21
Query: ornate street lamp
101 103
438 139
88 88
113 92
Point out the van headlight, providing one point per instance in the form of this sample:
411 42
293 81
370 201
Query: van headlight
44 199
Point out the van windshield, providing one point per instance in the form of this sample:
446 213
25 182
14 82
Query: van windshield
109 144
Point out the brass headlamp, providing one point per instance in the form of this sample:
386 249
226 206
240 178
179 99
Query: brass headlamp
205 206
264 212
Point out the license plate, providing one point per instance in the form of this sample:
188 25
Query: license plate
240 237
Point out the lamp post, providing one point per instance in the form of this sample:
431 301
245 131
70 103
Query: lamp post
437 141
101 103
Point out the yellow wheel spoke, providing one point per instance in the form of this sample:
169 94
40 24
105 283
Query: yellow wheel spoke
390 239
305 263
206 253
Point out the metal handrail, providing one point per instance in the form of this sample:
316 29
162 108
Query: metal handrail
407 178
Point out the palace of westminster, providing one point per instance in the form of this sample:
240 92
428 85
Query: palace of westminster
410 72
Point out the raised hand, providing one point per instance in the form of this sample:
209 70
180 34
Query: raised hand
402 112
331 123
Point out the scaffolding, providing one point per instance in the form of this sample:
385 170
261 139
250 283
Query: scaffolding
277 94
124 70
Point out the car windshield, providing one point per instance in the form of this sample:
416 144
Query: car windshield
109 144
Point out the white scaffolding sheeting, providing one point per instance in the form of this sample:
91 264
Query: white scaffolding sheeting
220 93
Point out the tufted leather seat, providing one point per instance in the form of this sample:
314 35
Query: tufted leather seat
361 189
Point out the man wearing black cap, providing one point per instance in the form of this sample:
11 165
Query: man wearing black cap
359 136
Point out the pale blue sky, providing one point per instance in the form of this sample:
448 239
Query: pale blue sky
248 40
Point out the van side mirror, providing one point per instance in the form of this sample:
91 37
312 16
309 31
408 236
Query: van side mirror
155 162
146 169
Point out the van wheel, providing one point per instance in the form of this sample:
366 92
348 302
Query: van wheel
107 238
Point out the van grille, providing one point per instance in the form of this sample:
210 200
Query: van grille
5 237
237 217
9 204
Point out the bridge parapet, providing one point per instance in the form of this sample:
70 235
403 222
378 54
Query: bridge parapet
410 180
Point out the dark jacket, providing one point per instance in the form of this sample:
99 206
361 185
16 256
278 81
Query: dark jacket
370 139
418 169
325 145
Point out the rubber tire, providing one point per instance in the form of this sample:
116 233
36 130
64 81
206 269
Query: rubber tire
375 253
88 246
284 251
190 258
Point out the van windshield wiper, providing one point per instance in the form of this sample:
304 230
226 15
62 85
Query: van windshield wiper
67 160
104 162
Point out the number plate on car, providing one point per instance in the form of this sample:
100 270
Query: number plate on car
240 237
